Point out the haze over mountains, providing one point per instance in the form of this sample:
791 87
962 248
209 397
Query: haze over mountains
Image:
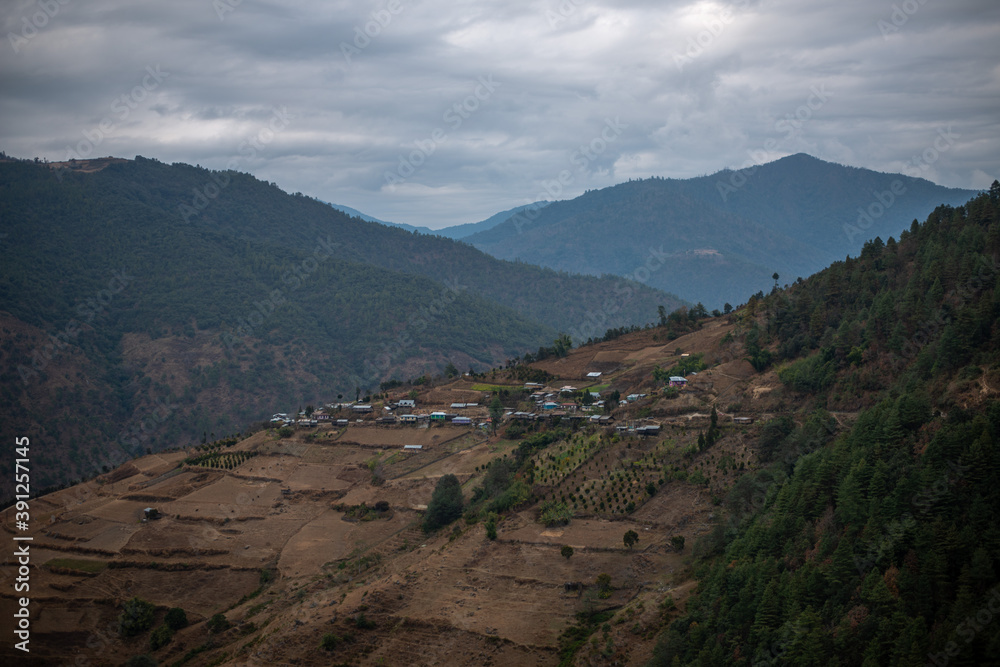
163 282
127 286
720 238
455 231
821 492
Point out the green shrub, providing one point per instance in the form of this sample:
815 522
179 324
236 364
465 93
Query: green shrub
363 623
160 637
811 374
552 514
445 505
630 538
604 586
176 618
516 494
136 617
217 624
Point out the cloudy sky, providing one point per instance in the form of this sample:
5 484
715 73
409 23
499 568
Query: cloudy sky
438 113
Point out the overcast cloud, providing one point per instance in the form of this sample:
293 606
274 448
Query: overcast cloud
440 113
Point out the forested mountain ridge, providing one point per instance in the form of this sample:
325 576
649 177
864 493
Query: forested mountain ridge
144 285
723 235
823 479
877 547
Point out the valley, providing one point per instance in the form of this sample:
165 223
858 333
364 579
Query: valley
267 530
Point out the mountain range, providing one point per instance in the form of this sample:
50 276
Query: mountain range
144 303
809 479
719 238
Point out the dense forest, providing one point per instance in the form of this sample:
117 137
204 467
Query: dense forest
878 546
720 238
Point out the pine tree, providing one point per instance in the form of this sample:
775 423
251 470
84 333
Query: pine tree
445 505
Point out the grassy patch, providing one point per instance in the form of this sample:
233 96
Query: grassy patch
495 387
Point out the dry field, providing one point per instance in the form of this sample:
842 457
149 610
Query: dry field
286 544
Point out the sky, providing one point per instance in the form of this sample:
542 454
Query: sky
441 113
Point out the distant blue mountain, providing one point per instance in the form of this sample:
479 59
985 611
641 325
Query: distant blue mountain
367 218
720 238
470 228
455 232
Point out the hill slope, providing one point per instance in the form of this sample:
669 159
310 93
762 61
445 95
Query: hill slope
821 491
879 546
720 238
226 299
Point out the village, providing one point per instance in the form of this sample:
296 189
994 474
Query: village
552 405
295 528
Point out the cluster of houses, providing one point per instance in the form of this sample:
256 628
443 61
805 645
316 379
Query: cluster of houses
639 428
436 417
400 412
551 404
556 400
